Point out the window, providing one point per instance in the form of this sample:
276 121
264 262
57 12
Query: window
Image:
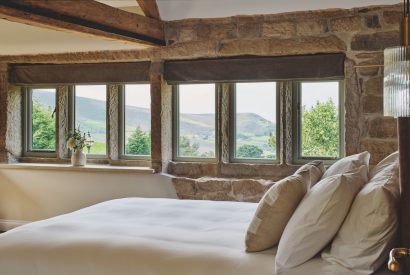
195 121
136 124
40 121
91 115
319 120
255 125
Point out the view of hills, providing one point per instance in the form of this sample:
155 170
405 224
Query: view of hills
91 114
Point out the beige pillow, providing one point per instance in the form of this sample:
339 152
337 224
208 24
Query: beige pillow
274 211
370 229
277 206
316 168
347 164
318 218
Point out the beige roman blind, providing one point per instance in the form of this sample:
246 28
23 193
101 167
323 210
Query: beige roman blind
255 68
29 74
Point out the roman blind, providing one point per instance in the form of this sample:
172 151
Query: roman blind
255 68
29 74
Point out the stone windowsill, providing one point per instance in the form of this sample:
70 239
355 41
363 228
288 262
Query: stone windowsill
87 168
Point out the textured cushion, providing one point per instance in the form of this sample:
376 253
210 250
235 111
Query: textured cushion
318 218
369 231
274 211
316 168
347 164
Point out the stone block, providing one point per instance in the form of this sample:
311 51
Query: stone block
184 186
375 42
249 30
383 127
379 149
250 187
374 86
373 104
346 24
392 17
372 21
213 184
311 27
279 29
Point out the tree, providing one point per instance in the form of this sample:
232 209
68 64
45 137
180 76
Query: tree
187 149
43 127
272 141
139 143
249 151
320 130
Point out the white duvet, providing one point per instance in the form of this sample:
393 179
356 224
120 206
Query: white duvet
143 236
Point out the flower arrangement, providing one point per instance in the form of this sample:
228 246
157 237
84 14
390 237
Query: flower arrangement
76 140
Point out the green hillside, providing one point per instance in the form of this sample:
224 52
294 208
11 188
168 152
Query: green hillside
251 128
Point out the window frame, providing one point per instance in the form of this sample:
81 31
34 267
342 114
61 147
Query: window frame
73 116
175 125
297 121
232 122
121 124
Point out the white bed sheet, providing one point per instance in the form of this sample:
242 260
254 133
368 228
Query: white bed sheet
144 236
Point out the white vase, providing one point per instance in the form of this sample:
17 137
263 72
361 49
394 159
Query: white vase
78 158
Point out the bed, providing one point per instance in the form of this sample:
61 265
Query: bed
144 236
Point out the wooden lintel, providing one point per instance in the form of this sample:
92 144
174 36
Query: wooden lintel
149 8
87 17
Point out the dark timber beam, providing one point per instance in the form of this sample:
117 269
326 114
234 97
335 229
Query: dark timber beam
149 8
87 17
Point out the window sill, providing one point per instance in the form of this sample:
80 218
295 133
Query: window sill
87 168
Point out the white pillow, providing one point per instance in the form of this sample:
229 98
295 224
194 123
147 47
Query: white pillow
318 218
347 164
370 229
393 158
277 206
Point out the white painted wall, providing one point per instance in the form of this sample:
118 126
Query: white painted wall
30 195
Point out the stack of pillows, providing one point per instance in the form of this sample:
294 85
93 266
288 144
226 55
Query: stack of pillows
344 212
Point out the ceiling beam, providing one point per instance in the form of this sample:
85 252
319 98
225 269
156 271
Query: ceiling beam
149 8
87 17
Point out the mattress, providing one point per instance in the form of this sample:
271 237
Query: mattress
144 236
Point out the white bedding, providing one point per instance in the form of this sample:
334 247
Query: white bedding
144 236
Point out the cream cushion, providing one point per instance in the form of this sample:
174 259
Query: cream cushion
347 164
318 218
316 169
274 211
370 229
277 206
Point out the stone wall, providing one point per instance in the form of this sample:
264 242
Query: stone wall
360 33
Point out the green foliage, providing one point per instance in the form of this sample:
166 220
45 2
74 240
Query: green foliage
272 142
139 143
249 151
43 127
320 130
186 149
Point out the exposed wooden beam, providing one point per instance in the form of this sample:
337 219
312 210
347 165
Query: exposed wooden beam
150 8
87 17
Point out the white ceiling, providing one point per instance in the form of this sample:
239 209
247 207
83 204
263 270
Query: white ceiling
18 39
181 9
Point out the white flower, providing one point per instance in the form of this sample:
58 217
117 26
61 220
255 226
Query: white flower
71 143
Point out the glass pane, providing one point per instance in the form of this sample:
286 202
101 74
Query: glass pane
43 120
197 120
91 115
137 119
320 119
255 120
